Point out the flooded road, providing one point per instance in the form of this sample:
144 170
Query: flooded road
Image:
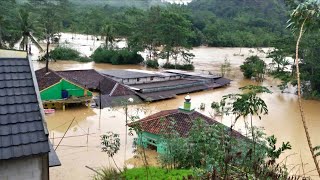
78 149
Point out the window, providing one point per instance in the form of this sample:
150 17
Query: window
138 79
151 78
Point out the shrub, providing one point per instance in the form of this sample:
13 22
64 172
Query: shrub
152 64
123 56
253 66
106 174
178 66
64 53
101 55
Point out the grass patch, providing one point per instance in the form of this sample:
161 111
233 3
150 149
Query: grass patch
156 173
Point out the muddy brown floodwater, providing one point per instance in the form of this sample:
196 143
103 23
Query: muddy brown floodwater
78 150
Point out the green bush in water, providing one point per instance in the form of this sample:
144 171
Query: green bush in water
178 66
101 55
152 64
64 53
116 57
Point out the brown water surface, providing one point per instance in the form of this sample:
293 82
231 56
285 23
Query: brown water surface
283 119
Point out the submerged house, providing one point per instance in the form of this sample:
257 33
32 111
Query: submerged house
25 151
134 76
57 91
111 92
153 127
155 86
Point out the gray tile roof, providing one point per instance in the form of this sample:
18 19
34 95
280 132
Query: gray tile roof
22 129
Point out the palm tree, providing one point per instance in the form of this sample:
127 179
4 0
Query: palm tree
304 17
108 32
2 44
26 29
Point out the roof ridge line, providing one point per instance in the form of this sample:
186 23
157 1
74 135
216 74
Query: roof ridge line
145 120
114 88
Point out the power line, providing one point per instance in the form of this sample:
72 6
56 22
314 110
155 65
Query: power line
64 134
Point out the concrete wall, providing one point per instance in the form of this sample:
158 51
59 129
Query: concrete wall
26 168
145 139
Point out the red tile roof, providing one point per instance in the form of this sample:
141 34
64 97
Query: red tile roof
181 121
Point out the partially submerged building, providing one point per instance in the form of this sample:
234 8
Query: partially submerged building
134 76
111 92
57 91
25 151
154 86
79 85
153 128
117 86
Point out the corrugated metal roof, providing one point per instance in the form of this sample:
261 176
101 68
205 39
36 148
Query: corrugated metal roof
128 74
22 130
195 74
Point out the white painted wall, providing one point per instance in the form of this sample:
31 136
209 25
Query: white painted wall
27 168
148 80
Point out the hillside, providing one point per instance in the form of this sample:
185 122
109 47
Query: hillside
239 22
119 3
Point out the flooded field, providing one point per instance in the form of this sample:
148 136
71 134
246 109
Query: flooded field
78 149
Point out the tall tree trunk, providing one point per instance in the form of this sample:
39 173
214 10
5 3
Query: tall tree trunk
47 55
106 42
300 99
168 55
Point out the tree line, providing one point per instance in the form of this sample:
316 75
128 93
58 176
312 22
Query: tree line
213 23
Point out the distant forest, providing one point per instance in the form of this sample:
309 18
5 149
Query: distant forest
219 23
214 22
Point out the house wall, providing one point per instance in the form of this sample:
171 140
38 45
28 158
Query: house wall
146 138
54 92
130 81
26 168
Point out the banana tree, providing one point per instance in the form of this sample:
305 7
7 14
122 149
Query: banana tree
305 17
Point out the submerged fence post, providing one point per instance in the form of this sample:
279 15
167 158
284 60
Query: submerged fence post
88 139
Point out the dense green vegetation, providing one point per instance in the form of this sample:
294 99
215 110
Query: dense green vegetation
157 173
64 53
152 64
211 150
253 67
139 173
213 22
178 66
116 57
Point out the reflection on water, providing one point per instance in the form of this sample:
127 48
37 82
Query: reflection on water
75 153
